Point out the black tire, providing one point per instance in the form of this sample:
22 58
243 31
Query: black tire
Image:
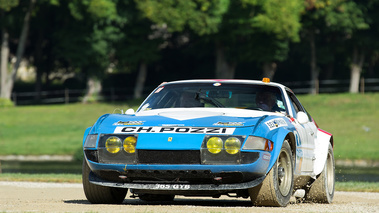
276 189
322 189
100 194
155 197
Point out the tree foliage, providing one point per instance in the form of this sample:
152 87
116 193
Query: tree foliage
202 16
218 38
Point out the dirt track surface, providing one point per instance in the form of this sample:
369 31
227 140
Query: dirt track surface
55 197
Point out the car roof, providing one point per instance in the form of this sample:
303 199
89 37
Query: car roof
235 81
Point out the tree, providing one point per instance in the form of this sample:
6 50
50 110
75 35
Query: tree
202 17
139 45
363 42
230 24
7 79
327 19
85 40
261 33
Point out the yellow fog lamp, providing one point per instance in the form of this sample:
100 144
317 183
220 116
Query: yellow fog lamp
232 145
130 144
214 145
113 144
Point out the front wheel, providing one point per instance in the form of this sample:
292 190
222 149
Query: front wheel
100 194
276 189
322 189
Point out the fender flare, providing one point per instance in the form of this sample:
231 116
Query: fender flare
321 150
278 139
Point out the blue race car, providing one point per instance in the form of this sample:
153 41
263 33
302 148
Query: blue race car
240 138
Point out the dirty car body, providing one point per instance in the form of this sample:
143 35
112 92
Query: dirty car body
210 138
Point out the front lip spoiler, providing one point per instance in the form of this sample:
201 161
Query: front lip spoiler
175 186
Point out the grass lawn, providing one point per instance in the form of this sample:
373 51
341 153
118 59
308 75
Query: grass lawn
351 118
49 129
58 129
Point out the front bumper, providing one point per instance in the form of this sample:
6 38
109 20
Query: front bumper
94 179
180 177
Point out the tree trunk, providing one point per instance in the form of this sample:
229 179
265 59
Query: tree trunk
20 52
356 69
4 64
313 64
269 69
224 70
140 81
93 90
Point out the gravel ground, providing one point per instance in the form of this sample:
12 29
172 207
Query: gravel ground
65 197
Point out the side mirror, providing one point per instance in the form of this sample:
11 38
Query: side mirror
130 112
302 117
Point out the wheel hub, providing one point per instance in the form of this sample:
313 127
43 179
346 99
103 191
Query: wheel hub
281 173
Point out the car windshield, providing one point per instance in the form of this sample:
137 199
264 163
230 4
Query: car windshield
224 95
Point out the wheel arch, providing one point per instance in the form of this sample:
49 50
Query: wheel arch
278 139
321 150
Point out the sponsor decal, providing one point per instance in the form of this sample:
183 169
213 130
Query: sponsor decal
217 84
275 123
229 123
190 130
128 123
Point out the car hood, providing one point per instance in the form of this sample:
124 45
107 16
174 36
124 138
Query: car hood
187 117
181 129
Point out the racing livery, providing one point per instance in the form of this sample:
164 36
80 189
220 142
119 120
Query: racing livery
240 138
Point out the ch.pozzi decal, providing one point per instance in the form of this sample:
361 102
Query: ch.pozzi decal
157 129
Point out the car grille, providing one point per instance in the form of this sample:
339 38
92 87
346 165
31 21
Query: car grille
168 156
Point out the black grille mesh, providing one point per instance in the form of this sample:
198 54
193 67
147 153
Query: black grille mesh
168 156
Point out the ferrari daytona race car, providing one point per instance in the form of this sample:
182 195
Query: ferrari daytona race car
240 138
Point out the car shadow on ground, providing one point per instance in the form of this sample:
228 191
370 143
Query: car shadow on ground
179 202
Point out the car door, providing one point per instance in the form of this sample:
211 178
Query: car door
306 132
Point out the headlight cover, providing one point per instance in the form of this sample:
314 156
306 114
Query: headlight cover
90 141
221 149
258 143
118 148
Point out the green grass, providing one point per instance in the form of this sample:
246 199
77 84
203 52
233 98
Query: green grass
353 186
58 129
351 118
51 130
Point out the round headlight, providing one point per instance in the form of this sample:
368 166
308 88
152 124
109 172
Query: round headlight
214 145
130 144
113 144
232 145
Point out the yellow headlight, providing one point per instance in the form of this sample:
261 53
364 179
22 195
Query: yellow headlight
232 145
130 144
214 145
113 144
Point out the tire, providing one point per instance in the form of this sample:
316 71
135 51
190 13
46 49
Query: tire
322 189
276 189
155 197
100 194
